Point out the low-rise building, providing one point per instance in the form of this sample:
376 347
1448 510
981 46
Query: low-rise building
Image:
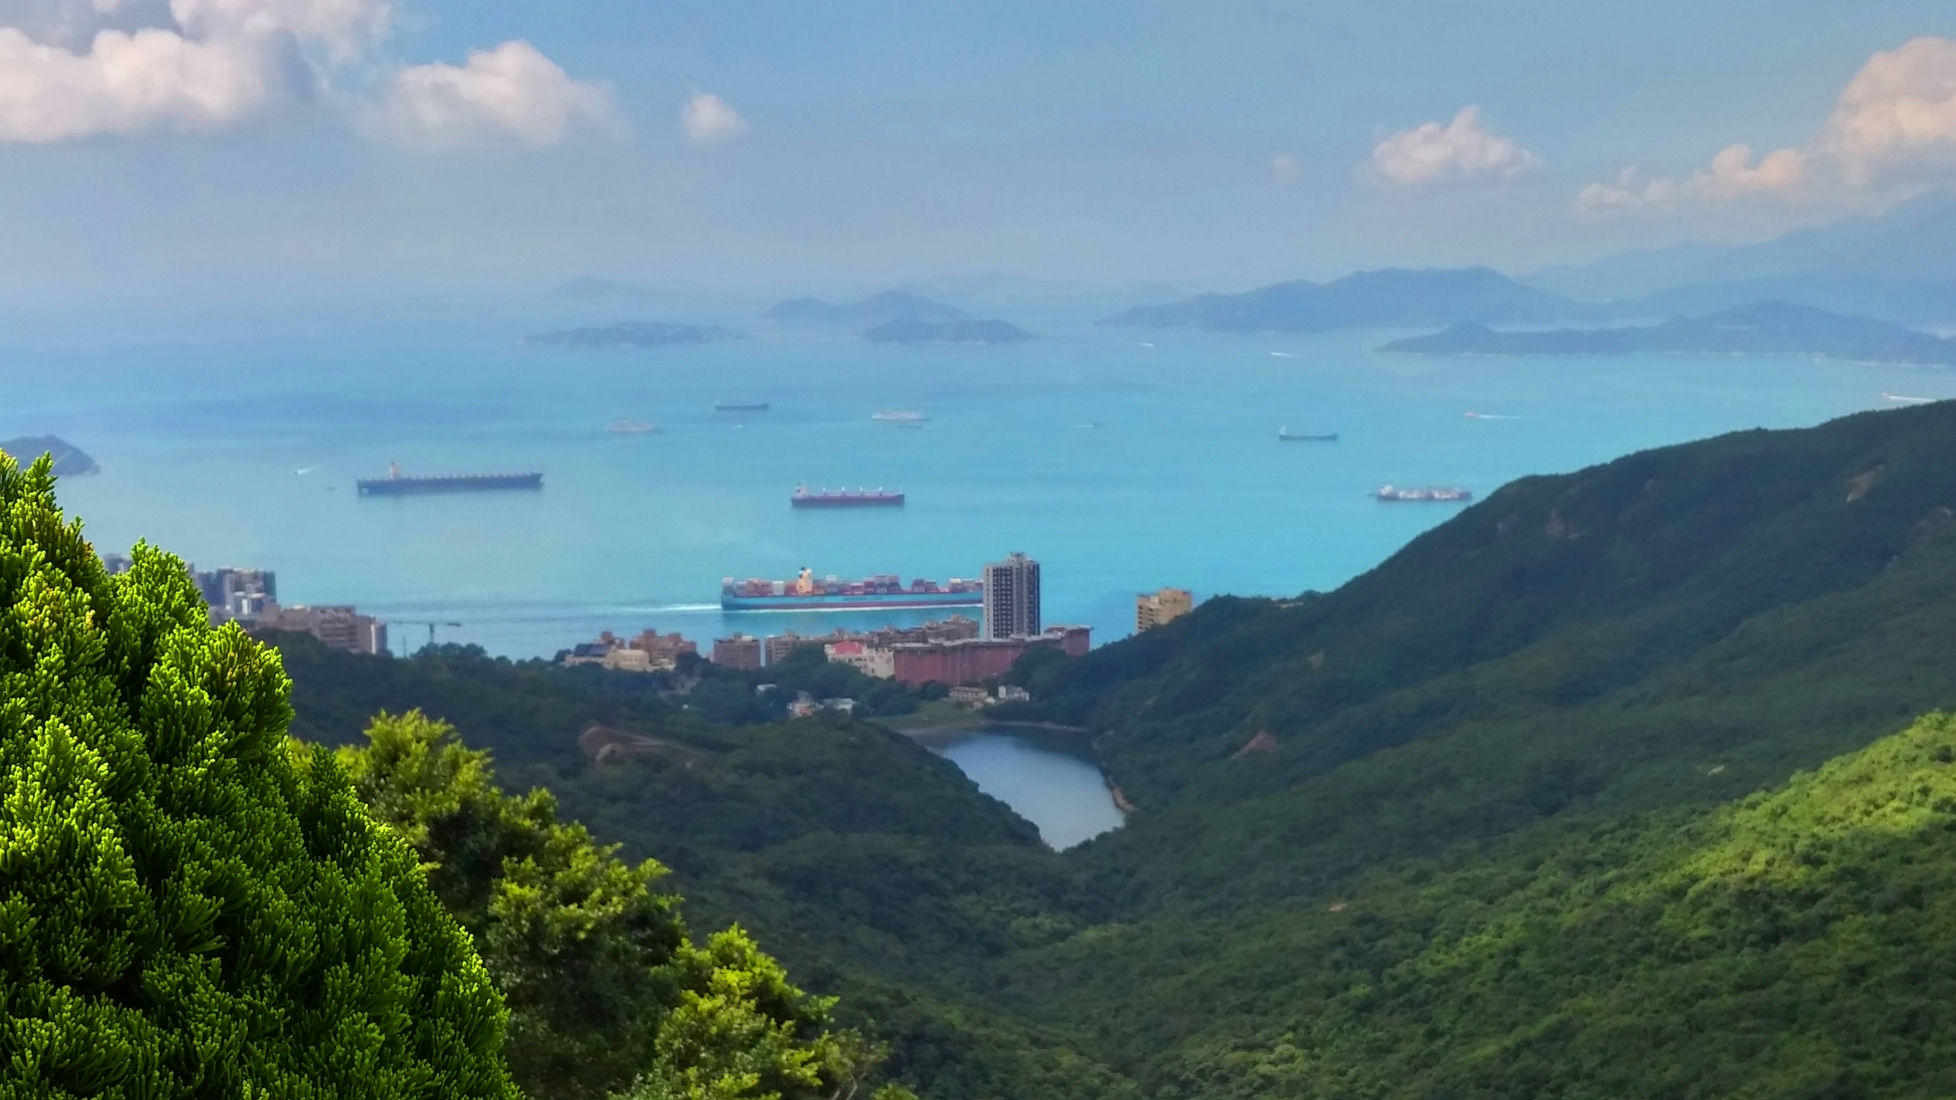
337 626
1153 609
742 652
781 646
977 659
662 649
584 653
969 696
870 660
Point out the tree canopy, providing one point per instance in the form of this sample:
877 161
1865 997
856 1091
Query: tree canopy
190 905
606 990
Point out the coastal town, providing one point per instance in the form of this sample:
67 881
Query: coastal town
967 655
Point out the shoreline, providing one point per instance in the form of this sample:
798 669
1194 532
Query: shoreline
978 721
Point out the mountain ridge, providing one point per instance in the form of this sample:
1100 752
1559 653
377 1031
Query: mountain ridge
1759 328
1383 298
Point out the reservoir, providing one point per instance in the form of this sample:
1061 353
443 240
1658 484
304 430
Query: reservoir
1061 792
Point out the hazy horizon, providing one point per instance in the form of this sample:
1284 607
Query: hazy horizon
313 150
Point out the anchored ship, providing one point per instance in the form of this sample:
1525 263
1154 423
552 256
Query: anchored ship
1442 494
396 485
845 498
631 427
807 593
899 416
738 407
1285 435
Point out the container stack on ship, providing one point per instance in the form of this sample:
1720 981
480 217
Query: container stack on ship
396 485
844 498
807 593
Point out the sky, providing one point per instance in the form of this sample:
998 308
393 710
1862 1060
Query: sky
207 149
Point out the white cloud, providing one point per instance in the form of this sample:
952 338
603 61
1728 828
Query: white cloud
707 118
1894 123
129 82
1897 112
213 64
1286 169
1460 150
1731 175
511 94
343 28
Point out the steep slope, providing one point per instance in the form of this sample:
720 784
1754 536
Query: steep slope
1752 603
1788 944
873 868
1392 298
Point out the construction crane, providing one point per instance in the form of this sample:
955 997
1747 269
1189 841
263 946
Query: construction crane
430 624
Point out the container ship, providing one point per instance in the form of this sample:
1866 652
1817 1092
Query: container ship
845 498
807 593
1436 494
1285 435
741 407
396 485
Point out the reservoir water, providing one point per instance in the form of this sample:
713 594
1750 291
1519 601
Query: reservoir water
1060 792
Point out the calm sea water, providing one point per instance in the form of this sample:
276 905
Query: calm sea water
1122 460
1060 792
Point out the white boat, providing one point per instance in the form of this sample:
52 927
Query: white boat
900 416
631 427
1904 399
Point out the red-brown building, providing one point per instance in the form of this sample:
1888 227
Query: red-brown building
976 659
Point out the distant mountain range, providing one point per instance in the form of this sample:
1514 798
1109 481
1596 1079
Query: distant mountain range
1392 298
1898 266
947 332
632 334
891 305
1762 328
69 460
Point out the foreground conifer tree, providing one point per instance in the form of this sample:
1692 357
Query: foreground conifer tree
189 905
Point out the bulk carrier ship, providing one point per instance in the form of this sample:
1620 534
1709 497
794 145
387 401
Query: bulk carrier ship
807 593
844 498
396 485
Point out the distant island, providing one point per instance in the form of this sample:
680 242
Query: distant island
69 460
891 305
947 332
632 334
1763 328
1393 298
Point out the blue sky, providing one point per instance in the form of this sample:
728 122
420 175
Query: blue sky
322 145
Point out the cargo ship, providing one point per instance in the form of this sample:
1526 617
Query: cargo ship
1440 494
738 407
899 416
396 485
1285 435
807 593
845 498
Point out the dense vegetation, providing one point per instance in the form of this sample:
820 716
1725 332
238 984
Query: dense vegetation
1541 806
606 990
189 906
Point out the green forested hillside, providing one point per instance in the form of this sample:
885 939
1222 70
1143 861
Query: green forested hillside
1679 626
1531 809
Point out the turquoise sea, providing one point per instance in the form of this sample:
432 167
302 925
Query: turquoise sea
1122 459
